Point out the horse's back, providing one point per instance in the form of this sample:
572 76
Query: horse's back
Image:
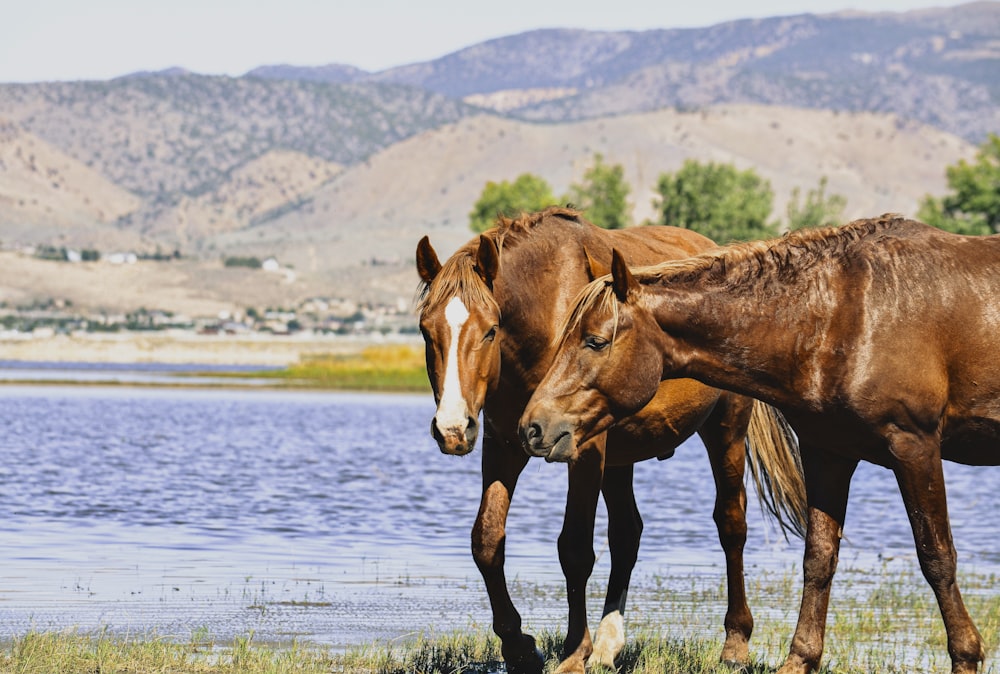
945 286
658 243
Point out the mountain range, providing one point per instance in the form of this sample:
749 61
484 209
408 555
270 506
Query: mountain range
337 172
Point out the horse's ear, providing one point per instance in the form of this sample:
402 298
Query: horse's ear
487 260
428 264
595 268
621 278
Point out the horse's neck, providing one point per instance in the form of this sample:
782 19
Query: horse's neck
725 339
534 299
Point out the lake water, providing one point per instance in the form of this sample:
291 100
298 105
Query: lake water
333 518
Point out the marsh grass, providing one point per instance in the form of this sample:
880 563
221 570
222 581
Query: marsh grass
375 368
882 621
105 653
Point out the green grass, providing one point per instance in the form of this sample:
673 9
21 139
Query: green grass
395 368
103 653
882 621
375 368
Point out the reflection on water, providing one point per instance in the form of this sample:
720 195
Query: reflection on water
332 517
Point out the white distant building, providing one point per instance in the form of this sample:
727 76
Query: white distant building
270 264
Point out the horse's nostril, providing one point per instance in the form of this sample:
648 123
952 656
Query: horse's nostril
532 433
435 431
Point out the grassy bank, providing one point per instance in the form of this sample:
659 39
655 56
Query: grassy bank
882 621
375 368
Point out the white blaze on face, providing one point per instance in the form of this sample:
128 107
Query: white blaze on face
451 412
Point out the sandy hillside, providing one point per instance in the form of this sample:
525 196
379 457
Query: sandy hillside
52 191
355 230
427 184
250 193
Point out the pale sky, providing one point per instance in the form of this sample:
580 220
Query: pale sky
44 40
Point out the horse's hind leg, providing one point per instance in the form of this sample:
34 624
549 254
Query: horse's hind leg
921 481
576 551
502 465
828 481
724 434
624 531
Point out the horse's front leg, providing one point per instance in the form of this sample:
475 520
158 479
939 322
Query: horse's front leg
502 465
576 551
624 532
921 480
828 481
724 435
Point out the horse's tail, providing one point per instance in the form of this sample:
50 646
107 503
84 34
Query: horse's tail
773 457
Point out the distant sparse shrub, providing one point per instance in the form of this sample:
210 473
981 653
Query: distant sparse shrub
249 262
45 252
161 256
64 254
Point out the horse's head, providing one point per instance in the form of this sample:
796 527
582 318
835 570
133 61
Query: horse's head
460 320
608 365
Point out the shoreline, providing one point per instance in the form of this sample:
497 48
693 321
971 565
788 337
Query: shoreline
186 348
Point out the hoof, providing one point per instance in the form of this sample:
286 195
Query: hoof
736 666
525 658
965 668
736 651
794 664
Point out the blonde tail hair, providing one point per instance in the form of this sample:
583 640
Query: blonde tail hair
776 467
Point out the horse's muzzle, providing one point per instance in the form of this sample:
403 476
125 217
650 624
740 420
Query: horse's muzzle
553 442
456 440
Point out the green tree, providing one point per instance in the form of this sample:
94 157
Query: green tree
973 207
527 193
603 194
717 200
818 210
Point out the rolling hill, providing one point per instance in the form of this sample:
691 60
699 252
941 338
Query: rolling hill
337 171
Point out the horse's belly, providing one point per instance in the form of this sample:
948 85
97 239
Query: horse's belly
973 441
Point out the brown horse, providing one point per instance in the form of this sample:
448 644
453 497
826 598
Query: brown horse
878 340
489 316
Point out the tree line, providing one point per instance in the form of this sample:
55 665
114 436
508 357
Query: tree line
727 204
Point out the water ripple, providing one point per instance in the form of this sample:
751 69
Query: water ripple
178 509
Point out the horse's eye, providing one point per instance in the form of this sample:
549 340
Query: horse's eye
595 343
491 335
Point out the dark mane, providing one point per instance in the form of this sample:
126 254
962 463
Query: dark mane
459 276
732 265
